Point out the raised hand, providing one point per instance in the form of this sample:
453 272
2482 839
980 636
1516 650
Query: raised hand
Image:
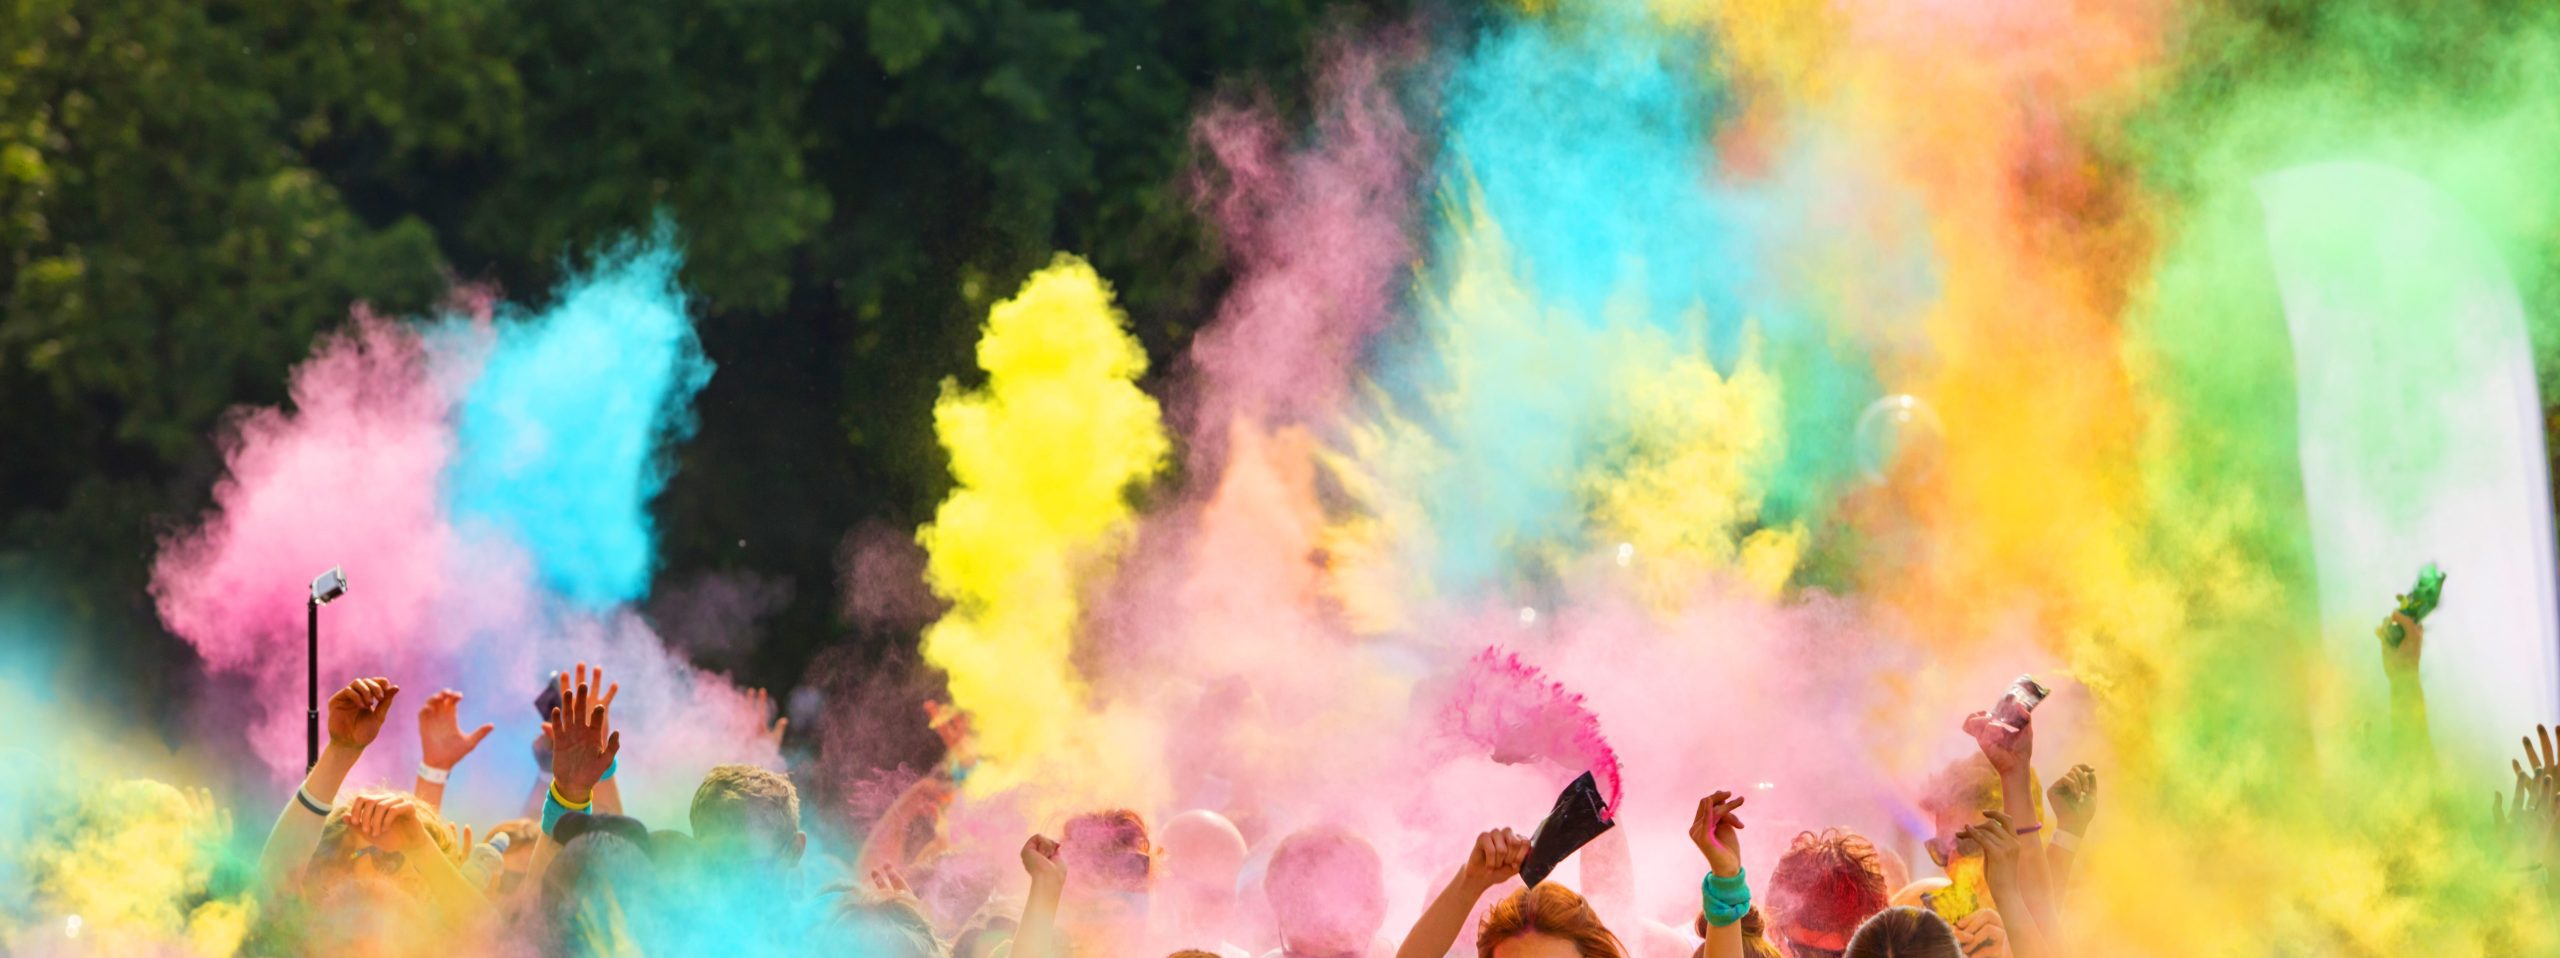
2543 764
2529 814
583 742
208 814
440 739
1040 860
1036 935
1981 935
210 822
770 722
2074 798
1997 840
1495 858
390 820
888 882
2008 751
1712 830
356 712
2400 661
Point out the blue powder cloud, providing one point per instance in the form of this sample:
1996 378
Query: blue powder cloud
564 437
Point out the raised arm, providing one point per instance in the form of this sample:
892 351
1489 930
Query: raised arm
1495 859
2531 824
2003 864
398 823
441 744
2012 755
355 718
1726 897
885 845
2074 800
2409 730
1035 935
583 745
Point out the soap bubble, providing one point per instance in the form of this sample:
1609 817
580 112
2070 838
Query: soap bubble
1893 429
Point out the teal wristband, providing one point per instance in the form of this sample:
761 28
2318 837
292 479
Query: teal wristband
610 769
1726 900
552 809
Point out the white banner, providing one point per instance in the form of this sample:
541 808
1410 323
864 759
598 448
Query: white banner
2421 439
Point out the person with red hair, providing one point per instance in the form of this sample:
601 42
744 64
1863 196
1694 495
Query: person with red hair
1825 886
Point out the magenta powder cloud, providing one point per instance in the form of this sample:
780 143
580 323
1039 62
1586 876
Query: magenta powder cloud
1518 714
347 475
1320 235
420 457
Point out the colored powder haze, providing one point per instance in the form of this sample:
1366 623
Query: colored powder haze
1526 443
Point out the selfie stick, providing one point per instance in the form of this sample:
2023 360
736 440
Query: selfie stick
328 586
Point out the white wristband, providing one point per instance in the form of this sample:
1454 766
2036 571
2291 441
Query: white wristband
2066 841
431 774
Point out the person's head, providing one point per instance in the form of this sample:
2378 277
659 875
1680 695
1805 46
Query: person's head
671 849
1203 853
343 853
1904 933
1964 790
1916 894
1192 953
877 926
991 926
522 835
595 881
745 814
1112 848
629 829
1547 921
372 916
1114 864
1897 873
1755 936
1824 885
950 724
1328 892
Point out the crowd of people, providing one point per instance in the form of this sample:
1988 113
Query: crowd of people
384 872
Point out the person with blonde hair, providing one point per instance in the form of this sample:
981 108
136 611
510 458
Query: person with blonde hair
394 838
1547 921
743 814
1904 933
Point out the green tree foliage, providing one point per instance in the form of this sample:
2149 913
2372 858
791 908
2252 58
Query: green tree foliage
190 191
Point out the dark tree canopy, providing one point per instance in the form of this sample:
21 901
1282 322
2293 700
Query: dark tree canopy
190 192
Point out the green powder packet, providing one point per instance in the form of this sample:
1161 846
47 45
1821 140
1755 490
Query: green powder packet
2420 601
